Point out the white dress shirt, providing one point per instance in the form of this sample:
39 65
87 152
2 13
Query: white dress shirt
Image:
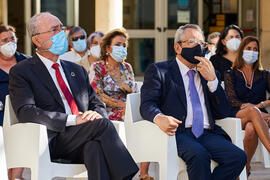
71 120
212 85
72 56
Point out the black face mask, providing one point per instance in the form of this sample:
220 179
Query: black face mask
189 53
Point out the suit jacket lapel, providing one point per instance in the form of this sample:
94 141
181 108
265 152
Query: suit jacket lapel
42 73
178 82
73 82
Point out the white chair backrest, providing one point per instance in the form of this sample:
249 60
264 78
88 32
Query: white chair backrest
133 108
9 114
139 85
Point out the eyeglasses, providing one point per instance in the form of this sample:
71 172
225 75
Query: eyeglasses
54 29
192 42
76 38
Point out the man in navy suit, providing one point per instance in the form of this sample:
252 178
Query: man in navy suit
57 94
183 97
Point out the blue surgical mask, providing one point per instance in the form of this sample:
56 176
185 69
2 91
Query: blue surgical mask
119 53
79 45
250 57
60 44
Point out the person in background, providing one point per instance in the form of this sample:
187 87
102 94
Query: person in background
77 41
114 78
93 44
246 85
212 41
228 43
183 97
8 58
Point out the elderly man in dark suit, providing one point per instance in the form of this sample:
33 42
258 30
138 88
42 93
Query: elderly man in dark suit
57 94
183 97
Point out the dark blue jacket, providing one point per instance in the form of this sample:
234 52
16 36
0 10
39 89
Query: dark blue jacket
4 83
163 91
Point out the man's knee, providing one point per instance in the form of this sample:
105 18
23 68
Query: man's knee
199 157
238 158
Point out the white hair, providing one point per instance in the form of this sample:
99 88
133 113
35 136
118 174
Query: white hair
179 34
32 24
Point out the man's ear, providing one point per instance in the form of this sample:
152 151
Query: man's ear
36 41
177 48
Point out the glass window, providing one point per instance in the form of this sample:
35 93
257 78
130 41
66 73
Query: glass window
139 14
140 54
182 12
171 52
63 9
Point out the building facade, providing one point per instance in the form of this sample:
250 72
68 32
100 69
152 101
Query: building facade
151 24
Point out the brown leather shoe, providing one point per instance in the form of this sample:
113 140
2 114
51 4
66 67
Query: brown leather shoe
146 177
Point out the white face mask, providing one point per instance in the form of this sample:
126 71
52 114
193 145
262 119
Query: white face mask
233 44
8 49
250 57
213 50
95 51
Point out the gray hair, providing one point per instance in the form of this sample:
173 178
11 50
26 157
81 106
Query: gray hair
32 24
211 36
93 35
75 29
179 35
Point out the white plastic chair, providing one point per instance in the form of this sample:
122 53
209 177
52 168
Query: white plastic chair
3 166
26 145
147 143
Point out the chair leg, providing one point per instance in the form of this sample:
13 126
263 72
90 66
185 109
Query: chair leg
34 173
266 157
243 175
162 171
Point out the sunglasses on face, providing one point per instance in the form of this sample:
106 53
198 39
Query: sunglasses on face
76 38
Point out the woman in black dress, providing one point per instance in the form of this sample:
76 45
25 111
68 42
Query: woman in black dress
229 41
246 85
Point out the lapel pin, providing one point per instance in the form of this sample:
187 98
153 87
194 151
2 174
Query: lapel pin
72 74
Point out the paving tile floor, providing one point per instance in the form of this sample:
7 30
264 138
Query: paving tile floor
258 172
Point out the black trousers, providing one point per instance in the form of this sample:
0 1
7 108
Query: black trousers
97 145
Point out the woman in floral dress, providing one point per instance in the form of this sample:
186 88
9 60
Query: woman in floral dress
114 78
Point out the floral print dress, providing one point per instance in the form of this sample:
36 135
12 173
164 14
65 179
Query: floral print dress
109 86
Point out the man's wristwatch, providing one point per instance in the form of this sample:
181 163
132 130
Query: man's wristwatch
262 103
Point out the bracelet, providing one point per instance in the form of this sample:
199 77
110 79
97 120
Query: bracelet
262 103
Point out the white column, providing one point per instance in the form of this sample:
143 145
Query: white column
76 12
37 6
200 13
4 12
108 15
27 16
265 34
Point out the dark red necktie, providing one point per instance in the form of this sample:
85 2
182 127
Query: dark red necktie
71 102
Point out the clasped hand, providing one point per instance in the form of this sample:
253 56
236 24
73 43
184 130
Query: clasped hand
87 116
